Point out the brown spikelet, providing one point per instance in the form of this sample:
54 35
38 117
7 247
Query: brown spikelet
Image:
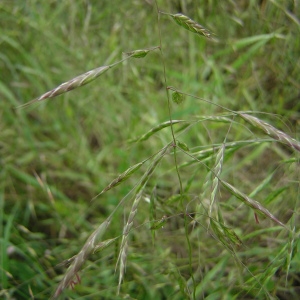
250 202
78 260
272 131
121 178
70 85
138 196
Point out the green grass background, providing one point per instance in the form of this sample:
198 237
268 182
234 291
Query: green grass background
55 156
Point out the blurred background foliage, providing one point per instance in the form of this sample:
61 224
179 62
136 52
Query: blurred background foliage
55 156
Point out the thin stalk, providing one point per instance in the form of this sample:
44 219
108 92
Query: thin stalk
175 152
168 98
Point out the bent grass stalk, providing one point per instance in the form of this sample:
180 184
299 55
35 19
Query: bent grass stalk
224 234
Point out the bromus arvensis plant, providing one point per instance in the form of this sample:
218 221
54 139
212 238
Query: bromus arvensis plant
204 191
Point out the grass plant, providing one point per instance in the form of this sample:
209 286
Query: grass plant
174 174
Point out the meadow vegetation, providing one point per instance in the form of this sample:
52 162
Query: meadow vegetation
172 175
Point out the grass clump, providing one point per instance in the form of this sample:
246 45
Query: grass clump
202 132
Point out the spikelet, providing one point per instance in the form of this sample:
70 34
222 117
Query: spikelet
138 195
191 25
216 175
78 260
157 128
121 178
250 202
86 78
271 131
72 84
140 53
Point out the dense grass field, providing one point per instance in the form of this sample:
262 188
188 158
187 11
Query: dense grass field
194 140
